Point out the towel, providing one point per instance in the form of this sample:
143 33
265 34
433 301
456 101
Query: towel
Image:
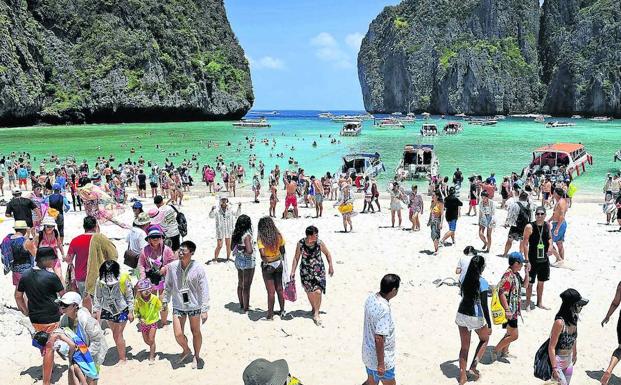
101 249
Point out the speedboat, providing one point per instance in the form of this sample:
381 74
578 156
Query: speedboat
410 117
419 161
500 117
560 158
252 123
429 130
540 119
351 129
426 115
452 128
576 116
462 115
389 123
557 124
483 122
326 115
363 165
601 119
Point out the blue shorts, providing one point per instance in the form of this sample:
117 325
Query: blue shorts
388 375
561 232
452 225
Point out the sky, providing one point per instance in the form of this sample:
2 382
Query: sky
303 53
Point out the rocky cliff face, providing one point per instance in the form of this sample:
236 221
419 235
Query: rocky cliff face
494 56
445 56
580 53
119 60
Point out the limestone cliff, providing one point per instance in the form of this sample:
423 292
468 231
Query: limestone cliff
119 60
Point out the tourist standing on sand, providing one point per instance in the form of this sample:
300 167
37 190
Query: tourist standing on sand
20 252
187 287
225 223
518 216
271 245
563 337
153 182
375 195
50 237
345 204
21 209
77 256
452 204
114 302
312 270
559 224
435 219
291 198
396 199
256 187
378 340
472 197
537 245
40 288
82 323
273 198
616 354
415 207
473 314
487 220
319 196
546 189
167 218
509 293
243 251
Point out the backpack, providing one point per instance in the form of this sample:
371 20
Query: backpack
7 253
182 223
541 364
523 217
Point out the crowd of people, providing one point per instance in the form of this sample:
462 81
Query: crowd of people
68 306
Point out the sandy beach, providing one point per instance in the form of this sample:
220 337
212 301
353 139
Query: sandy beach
427 337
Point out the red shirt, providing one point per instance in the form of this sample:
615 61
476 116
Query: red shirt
79 247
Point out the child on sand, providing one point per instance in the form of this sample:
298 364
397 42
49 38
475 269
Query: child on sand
147 308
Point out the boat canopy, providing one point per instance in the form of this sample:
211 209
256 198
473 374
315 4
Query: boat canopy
371 157
412 147
567 148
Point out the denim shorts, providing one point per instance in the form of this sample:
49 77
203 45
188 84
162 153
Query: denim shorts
388 375
452 225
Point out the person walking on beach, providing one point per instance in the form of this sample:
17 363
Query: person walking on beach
18 252
435 219
473 196
536 247
509 292
378 342
167 218
375 195
291 198
271 245
546 189
452 205
487 220
518 216
114 302
345 205
80 321
243 251
319 196
225 223
415 207
147 307
473 314
40 288
396 199
616 354
187 287
559 224
312 270
564 335
77 257
22 209
273 198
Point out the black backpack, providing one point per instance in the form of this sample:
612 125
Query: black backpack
523 217
182 223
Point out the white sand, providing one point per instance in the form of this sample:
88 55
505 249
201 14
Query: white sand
427 337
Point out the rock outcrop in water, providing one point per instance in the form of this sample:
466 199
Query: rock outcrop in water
119 60
445 56
494 56
580 53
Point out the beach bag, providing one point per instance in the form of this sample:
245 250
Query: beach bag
346 208
70 282
541 365
182 222
289 291
498 312
7 253
130 258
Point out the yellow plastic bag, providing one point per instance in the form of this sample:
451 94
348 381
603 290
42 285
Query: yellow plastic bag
498 312
571 190
346 208
52 212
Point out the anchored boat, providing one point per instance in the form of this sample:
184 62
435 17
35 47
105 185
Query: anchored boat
363 165
560 158
453 128
419 161
252 123
429 130
351 129
389 123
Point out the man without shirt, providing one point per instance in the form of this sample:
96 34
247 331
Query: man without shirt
558 223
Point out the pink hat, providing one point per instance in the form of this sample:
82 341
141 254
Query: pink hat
153 212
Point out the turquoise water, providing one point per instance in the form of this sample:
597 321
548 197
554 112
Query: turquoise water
502 148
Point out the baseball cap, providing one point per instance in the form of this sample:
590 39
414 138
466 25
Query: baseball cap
56 186
137 205
17 191
573 297
515 257
155 233
70 298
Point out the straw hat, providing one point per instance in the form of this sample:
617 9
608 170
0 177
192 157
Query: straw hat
48 221
20 225
142 219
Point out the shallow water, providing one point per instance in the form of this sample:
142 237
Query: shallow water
502 148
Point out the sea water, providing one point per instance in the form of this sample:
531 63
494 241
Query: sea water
501 149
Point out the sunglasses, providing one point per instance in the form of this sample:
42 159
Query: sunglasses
154 238
64 305
540 214
49 226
